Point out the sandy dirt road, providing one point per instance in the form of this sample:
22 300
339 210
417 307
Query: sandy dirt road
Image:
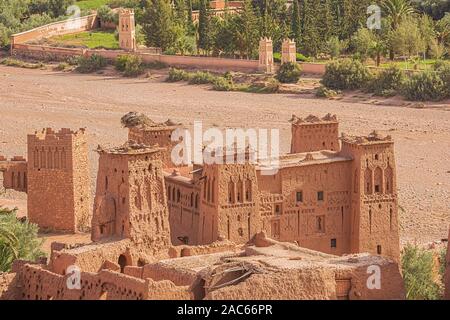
33 99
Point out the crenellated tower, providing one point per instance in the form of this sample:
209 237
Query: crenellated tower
58 180
314 134
127 30
130 201
374 222
229 199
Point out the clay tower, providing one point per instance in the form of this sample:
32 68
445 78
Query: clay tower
314 134
127 30
58 180
159 134
229 202
130 202
374 226
266 63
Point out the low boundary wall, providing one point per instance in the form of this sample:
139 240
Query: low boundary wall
208 63
20 47
59 28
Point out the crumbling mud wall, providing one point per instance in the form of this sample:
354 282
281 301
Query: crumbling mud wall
41 284
9 287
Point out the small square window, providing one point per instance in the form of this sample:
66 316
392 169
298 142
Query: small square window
333 243
377 188
379 249
299 196
320 195
277 209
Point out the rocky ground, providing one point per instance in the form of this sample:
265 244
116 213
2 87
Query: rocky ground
33 99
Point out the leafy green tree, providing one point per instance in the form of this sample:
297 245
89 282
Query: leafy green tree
159 26
296 24
435 8
442 28
417 266
407 38
180 12
335 47
396 11
18 240
204 23
246 33
190 22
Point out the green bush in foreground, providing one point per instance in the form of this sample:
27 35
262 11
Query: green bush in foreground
387 82
130 65
346 74
324 92
417 266
91 64
176 75
202 77
443 72
223 84
289 73
18 240
425 86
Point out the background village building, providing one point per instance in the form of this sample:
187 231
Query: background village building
288 51
127 30
14 173
266 63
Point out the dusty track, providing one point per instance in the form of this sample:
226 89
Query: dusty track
33 99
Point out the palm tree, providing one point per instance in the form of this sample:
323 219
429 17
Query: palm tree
8 246
396 11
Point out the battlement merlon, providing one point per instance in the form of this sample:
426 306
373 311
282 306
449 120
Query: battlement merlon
126 12
13 159
314 120
372 139
48 134
130 148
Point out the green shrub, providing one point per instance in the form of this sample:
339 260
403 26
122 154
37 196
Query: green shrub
289 73
346 74
440 63
201 77
223 84
107 15
277 57
443 72
425 86
324 92
62 66
176 75
387 81
130 65
18 240
12 62
270 86
300 57
417 266
91 64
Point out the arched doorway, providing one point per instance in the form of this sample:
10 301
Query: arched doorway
123 262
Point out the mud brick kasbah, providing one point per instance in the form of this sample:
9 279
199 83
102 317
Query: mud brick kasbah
211 231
